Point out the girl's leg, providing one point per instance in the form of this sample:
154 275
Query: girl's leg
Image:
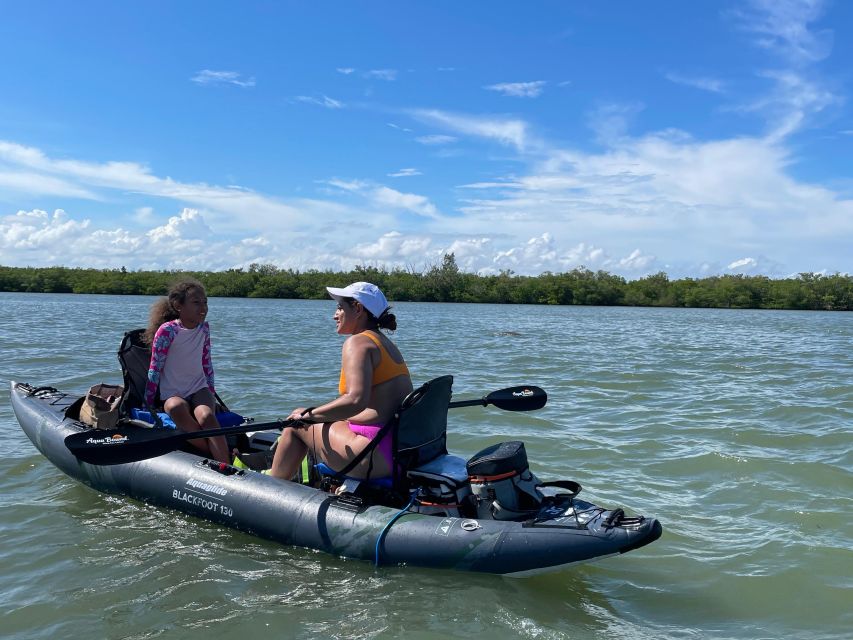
333 443
218 445
196 415
179 410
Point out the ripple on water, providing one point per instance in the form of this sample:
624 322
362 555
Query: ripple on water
732 428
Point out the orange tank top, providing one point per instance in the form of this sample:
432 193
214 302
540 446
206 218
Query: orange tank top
386 370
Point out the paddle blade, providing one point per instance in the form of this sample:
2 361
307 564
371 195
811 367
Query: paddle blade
524 398
129 443
119 446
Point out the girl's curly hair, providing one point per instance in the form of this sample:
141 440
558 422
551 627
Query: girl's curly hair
164 308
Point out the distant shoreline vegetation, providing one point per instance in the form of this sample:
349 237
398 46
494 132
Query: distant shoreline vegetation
446 283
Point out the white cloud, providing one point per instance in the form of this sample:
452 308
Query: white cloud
611 121
394 248
743 265
348 185
324 101
90 179
41 185
631 207
185 241
144 215
35 230
435 140
636 262
388 75
405 173
207 76
713 85
783 27
519 89
189 225
506 131
716 197
794 99
420 205
799 92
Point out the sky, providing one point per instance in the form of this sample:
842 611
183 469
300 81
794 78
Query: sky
694 138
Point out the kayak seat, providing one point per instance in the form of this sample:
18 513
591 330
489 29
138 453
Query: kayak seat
448 468
418 436
349 483
134 356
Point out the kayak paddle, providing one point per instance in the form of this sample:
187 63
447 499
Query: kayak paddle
130 443
524 398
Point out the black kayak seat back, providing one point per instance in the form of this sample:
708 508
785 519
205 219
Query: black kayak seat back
134 356
421 431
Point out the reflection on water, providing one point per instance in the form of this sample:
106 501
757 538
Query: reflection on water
732 427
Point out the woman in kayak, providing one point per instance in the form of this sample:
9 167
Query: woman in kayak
374 381
180 365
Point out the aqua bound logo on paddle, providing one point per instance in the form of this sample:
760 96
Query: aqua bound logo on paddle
524 393
116 438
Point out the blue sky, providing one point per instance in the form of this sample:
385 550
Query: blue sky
696 138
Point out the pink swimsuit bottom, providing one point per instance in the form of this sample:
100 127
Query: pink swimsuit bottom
369 431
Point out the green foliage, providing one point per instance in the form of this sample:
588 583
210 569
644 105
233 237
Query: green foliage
444 282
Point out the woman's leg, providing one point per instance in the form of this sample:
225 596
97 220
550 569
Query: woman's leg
289 452
333 443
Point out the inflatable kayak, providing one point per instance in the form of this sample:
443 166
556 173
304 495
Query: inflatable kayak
452 520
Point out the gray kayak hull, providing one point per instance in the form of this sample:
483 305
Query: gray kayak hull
299 515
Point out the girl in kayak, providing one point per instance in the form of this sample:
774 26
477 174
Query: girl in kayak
181 366
374 381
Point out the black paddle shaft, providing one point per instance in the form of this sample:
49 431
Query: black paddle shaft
130 443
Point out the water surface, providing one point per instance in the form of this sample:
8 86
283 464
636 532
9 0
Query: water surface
734 428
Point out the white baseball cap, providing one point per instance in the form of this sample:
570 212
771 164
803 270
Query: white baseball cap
367 294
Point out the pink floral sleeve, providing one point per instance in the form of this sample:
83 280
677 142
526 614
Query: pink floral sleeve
206 361
159 350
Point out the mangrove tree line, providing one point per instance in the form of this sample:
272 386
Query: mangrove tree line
446 283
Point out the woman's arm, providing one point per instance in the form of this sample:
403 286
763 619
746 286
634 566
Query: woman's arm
357 363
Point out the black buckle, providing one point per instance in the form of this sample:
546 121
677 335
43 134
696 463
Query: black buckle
349 502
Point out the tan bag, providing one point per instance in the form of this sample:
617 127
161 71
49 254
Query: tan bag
100 406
